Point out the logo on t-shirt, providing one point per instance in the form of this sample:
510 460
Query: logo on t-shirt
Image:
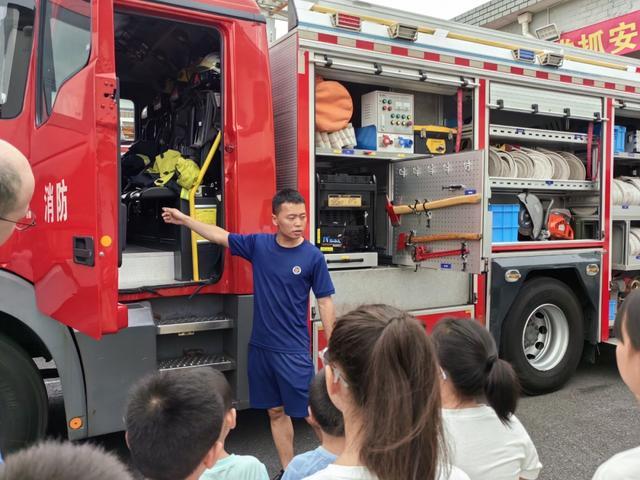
296 270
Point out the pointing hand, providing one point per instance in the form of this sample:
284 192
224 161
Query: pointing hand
172 215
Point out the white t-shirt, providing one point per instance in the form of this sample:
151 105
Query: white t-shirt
341 472
623 466
486 449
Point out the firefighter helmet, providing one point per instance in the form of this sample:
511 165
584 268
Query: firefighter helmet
210 62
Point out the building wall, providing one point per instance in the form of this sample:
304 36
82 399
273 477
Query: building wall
496 10
567 15
575 14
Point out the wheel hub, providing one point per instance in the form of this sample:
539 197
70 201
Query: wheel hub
545 338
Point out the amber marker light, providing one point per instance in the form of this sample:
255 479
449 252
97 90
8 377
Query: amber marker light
106 241
76 423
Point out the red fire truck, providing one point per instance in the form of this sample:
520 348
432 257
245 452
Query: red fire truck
474 179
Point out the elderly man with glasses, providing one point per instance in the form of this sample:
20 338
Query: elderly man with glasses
16 188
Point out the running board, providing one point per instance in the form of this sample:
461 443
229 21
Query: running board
190 325
219 362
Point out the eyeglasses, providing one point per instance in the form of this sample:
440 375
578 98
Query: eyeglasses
337 374
28 221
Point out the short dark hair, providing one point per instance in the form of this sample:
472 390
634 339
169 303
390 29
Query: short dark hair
329 418
628 318
221 385
173 419
10 185
468 354
63 461
286 195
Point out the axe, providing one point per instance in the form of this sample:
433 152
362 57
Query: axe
395 211
408 239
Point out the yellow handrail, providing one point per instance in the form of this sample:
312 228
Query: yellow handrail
192 204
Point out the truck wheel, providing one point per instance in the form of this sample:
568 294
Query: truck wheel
543 335
23 398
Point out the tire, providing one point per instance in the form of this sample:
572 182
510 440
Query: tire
543 335
23 398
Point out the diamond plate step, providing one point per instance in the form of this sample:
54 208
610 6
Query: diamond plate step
189 325
219 362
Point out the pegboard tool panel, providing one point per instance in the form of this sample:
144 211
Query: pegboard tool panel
437 178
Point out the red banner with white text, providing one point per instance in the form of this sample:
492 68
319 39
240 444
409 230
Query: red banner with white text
618 35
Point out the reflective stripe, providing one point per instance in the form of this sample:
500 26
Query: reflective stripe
460 61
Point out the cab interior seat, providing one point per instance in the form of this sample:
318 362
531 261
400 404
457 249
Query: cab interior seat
179 115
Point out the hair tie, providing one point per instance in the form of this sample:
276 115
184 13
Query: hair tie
490 362
392 320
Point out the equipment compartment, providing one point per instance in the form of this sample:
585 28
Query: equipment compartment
345 207
625 190
355 167
625 207
546 158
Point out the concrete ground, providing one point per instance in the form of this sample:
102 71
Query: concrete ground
574 429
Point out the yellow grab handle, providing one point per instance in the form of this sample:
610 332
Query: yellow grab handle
192 203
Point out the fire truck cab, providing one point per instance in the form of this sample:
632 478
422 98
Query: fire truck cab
101 291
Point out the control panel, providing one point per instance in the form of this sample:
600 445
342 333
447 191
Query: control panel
389 112
393 117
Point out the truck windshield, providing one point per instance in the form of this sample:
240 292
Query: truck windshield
16 35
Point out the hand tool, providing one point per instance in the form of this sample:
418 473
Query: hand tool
409 239
395 211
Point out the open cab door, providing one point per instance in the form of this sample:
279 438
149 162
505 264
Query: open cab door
75 158
437 212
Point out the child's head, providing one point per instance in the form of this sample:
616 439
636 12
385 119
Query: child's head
323 412
221 385
468 355
627 329
173 422
382 375
63 461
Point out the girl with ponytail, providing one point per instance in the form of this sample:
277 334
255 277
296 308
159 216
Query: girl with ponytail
382 374
486 441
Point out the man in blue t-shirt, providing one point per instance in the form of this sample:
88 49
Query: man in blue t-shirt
285 268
